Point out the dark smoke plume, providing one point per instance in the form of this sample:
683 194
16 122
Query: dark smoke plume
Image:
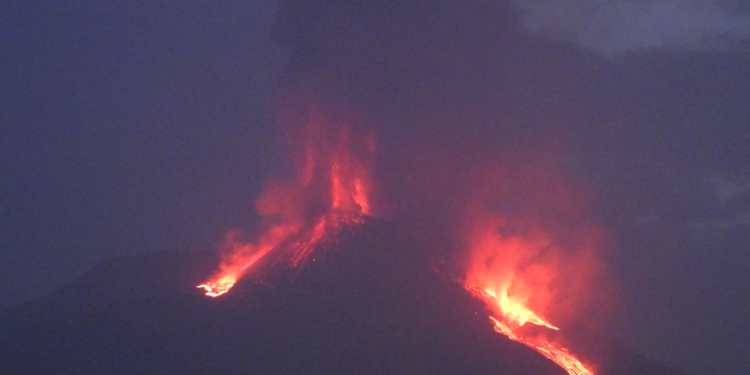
468 113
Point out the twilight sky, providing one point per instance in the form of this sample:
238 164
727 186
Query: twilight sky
136 127
127 127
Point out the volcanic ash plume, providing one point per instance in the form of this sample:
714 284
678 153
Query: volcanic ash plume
329 189
464 122
532 258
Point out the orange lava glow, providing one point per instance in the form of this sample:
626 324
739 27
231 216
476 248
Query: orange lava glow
553 352
532 260
215 289
531 248
329 191
509 296
509 325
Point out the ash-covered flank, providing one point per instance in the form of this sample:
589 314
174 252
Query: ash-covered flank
369 304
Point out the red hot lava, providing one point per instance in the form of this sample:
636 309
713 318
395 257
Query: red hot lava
532 258
531 248
330 189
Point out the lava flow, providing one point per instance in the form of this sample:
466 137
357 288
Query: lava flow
514 316
532 260
508 297
330 190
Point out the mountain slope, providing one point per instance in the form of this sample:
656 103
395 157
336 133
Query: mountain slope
370 306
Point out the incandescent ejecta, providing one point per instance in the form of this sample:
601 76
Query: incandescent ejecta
482 176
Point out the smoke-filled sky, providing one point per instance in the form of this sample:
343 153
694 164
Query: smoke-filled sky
617 27
135 127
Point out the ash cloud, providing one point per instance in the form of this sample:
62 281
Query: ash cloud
617 27
464 107
445 85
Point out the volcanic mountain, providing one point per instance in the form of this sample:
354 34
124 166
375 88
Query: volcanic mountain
367 304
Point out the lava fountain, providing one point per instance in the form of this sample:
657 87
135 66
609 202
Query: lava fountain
531 248
329 190
532 259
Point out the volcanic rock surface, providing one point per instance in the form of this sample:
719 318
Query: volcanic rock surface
367 304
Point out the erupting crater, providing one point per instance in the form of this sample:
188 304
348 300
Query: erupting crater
329 192
531 269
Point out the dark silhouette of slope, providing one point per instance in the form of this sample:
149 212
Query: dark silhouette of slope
370 306
118 281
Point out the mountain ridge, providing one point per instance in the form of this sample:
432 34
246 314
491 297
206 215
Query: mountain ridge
368 304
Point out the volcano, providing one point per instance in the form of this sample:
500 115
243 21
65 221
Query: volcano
369 304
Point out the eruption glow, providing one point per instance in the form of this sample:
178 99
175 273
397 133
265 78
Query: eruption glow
512 314
330 190
531 252
532 260
531 248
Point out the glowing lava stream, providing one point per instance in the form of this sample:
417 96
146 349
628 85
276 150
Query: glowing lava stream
509 295
518 277
329 192
531 254
514 316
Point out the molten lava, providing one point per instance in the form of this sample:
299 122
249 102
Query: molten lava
330 191
530 244
531 258
509 296
514 316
